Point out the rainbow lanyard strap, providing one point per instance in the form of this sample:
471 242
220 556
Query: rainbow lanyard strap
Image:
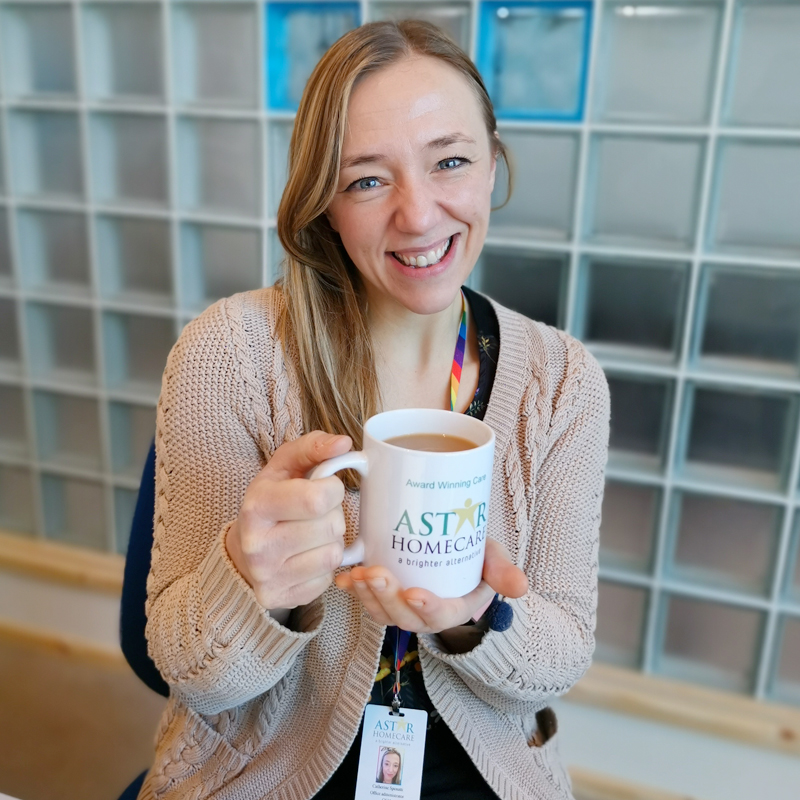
401 636
458 356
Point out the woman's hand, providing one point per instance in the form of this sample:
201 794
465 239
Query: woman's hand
422 611
289 536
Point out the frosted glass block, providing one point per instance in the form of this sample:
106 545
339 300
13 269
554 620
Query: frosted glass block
9 338
721 541
640 420
13 430
61 342
38 51
531 282
644 191
46 154
452 18
135 259
545 167
129 159
739 437
218 261
533 57
710 643
786 682
124 508
136 350
204 36
124 43
16 500
279 137
276 255
3 187
621 614
297 36
6 266
74 511
219 166
132 430
756 199
627 529
750 320
54 252
633 308
656 62
67 430
764 65
792 581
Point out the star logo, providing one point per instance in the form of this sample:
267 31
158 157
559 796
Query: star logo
466 514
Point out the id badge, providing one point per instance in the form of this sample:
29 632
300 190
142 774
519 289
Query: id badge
392 753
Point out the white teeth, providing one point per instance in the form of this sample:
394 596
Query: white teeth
429 259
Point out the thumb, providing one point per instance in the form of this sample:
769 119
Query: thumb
294 459
500 572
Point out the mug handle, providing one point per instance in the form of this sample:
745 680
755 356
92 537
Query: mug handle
357 460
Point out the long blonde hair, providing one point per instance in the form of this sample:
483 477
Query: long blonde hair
325 324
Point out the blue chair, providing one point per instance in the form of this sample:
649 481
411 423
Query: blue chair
134 592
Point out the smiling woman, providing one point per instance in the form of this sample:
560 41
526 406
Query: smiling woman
402 134
270 650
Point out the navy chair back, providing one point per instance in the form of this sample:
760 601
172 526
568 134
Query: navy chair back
134 584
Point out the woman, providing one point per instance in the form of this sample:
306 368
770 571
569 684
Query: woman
270 662
389 771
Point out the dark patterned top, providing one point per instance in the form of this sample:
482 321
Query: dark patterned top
448 772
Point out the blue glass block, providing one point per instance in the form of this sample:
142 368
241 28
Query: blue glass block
534 58
298 34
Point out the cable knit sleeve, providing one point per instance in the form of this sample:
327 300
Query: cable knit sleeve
211 640
564 448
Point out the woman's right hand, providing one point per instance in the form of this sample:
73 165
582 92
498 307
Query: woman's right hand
289 536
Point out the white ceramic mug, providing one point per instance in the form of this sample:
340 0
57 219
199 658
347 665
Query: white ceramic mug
423 514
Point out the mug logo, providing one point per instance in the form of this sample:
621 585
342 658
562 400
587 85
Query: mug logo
412 535
466 514
430 520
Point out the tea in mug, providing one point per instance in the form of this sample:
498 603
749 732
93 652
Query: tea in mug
432 442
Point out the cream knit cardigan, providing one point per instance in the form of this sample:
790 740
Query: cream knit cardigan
259 710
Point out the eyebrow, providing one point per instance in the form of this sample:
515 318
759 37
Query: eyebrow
434 144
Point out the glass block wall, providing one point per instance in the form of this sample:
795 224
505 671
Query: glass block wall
657 216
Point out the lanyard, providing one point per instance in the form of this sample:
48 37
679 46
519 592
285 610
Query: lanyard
401 636
458 356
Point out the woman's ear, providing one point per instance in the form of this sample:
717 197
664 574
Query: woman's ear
329 217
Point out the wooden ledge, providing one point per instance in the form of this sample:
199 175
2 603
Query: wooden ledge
589 785
58 645
667 701
618 690
60 562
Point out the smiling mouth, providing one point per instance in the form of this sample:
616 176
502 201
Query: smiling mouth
426 259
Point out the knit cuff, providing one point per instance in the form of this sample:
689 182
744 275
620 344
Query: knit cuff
239 621
498 661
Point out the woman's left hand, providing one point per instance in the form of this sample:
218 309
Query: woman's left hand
421 611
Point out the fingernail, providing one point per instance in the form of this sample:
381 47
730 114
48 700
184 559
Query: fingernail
360 584
416 603
378 584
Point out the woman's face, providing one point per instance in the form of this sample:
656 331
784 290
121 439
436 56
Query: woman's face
415 183
391 766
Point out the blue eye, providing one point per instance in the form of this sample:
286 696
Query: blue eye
365 183
452 163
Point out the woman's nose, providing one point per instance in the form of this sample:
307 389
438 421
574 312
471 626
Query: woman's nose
417 209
